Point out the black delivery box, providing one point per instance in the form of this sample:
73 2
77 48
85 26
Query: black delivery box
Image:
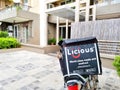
80 56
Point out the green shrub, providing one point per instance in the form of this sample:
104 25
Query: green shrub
4 34
9 43
52 41
116 64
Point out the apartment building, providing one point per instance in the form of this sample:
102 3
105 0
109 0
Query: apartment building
39 20
21 19
81 11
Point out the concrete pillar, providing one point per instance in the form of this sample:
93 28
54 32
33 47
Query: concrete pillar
57 31
87 10
77 11
67 29
43 24
94 12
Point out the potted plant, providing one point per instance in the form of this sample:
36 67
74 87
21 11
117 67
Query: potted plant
116 64
52 41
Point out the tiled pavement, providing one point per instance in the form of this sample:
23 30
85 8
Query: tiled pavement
25 70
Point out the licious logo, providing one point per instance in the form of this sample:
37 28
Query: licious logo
76 52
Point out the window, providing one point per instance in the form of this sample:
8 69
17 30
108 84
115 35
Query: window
50 5
25 1
68 1
16 29
62 3
25 7
62 32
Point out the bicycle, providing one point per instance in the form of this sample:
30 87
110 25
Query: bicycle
80 63
76 81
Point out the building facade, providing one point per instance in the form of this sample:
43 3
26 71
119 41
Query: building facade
80 11
21 19
40 20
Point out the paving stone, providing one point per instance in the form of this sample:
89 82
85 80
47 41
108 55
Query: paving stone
50 65
42 74
106 88
108 84
117 87
4 66
111 80
32 86
1 89
11 80
26 67
33 71
3 82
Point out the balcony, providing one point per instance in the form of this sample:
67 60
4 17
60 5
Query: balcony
64 11
15 14
59 3
108 9
108 2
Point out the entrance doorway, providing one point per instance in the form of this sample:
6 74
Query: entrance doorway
25 35
63 32
15 31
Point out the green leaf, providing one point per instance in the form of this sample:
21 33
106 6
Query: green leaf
116 64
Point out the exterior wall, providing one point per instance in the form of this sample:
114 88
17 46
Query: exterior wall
35 6
35 26
102 29
32 25
51 30
52 19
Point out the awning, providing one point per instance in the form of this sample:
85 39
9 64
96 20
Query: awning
15 20
63 12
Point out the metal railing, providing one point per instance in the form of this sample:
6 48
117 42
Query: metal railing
16 6
108 2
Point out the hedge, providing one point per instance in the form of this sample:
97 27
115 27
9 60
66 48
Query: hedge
4 34
116 64
9 42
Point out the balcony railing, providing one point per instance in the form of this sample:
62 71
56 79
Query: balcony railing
16 6
11 11
61 3
108 2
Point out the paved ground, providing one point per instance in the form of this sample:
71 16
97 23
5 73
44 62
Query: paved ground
25 70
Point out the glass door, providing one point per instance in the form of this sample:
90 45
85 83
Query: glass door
25 34
15 33
63 32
